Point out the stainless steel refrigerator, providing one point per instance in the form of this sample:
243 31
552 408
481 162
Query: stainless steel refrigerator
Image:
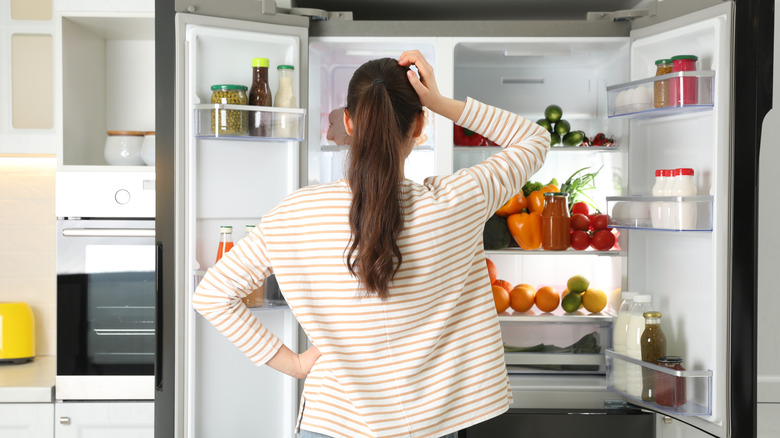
702 278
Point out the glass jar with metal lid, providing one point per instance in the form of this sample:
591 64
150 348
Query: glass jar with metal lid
228 121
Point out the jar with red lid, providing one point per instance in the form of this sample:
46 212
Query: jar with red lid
555 222
684 90
669 388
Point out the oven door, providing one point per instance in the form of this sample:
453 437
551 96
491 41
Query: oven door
105 309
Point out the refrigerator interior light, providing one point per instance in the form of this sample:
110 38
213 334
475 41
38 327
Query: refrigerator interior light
522 80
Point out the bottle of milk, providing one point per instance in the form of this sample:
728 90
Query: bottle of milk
667 221
685 219
619 339
636 325
656 207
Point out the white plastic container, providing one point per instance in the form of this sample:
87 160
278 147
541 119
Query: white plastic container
123 148
636 325
619 331
685 214
147 148
657 208
666 220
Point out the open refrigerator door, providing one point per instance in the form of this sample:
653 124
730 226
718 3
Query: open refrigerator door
231 176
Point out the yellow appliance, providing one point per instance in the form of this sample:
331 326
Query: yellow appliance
17 333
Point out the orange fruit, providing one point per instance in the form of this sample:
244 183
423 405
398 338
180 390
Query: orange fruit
492 271
547 299
521 298
501 298
503 283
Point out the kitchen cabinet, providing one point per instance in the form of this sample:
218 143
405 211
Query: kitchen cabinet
24 420
28 91
105 68
106 419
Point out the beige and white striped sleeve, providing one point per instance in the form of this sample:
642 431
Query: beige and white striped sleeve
525 147
218 298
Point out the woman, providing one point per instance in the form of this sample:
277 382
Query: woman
386 276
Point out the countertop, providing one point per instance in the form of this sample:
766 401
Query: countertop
31 382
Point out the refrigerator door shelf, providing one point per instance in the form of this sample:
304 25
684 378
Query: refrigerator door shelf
684 213
490 150
689 390
516 250
691 91
229 122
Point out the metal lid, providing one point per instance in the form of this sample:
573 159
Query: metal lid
670 359
653 314
679 57
663 61
225 87
556 194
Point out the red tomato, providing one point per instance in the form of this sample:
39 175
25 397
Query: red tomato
579 221
599 221
580 207
603 240
580 240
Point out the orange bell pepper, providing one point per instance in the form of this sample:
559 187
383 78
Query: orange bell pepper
549 188
536 201
526 229
514 205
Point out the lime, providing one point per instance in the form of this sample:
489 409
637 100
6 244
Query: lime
562 127
553 113
555 139
594 300
544 123
578 284
571 302
573 138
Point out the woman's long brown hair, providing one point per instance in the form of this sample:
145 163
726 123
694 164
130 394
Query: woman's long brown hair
383 106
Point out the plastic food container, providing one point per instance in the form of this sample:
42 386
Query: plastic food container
123 148
228 121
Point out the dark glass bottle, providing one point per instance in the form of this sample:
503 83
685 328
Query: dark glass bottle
260 122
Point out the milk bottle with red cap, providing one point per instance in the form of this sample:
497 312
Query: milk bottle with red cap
666 214
685 215
657 207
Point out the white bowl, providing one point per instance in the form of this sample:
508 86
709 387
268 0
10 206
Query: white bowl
123 148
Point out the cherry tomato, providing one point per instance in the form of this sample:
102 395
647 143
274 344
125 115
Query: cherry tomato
603 240
599 221
580 207
580 240
579 221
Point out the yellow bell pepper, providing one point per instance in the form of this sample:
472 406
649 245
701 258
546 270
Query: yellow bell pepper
526 229
536 201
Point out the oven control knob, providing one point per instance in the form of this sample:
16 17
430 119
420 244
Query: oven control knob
122 196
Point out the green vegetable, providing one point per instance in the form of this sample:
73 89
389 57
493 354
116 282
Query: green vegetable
588 344
532 186
576 186
496 233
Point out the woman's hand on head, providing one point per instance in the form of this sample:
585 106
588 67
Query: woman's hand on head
426 87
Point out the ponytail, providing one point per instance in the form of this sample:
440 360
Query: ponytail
382 105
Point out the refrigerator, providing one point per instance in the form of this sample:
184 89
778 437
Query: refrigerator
702 278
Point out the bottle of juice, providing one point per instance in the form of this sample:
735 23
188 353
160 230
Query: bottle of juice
619 339
225 240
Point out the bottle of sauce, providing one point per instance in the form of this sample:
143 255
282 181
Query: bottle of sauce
619 339
225 240
661 87
684 90
555 222
657 207
285 124
670 389
260 95
636 326
653 346
685 217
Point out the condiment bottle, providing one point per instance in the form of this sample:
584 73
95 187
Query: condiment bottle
636 326
555 222
670 388
685 217
684 90
653 343
657 207
225 240
661 86
619 332
260 95
285 124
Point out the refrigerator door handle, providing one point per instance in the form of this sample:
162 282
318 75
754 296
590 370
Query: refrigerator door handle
158 320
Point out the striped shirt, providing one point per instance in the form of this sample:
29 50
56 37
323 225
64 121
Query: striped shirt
429 360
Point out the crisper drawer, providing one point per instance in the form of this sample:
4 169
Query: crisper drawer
556 343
